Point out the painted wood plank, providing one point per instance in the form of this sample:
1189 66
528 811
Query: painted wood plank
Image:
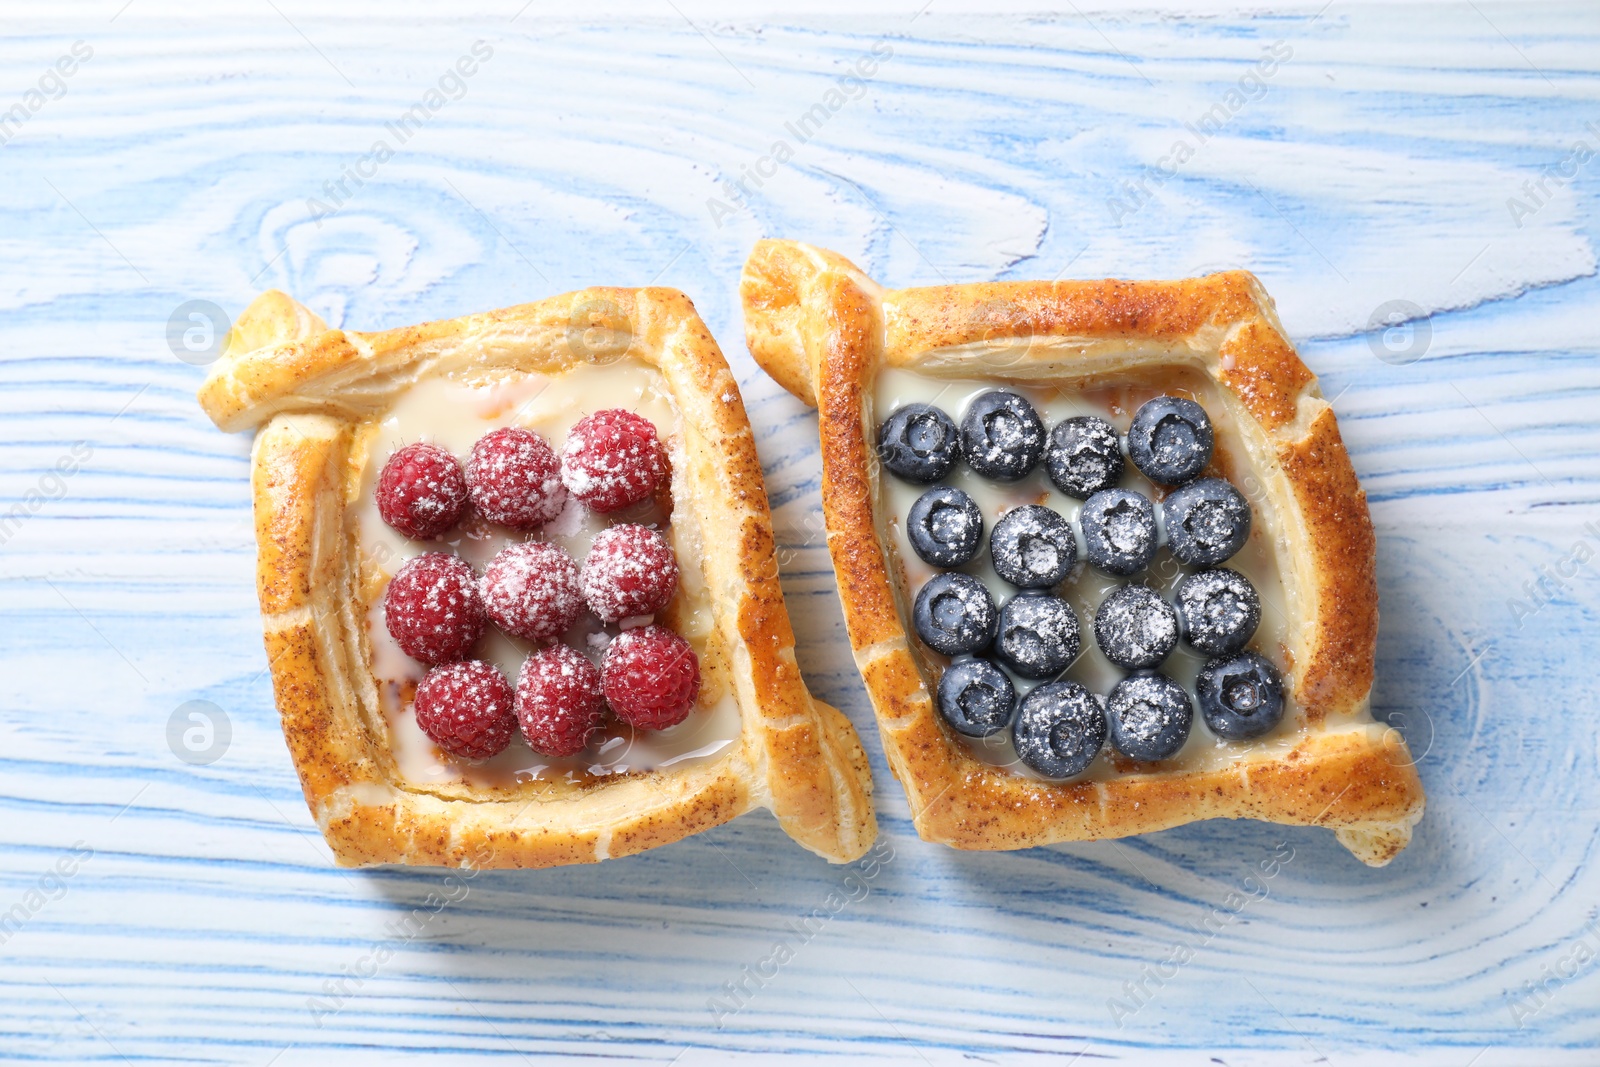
1386 157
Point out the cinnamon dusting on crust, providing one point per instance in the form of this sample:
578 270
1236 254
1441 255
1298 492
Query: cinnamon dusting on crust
823 329
306 388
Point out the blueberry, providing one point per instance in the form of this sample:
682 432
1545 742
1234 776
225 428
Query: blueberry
1001 435
1032 547
945 526
1150 716
1038 636
1135 628
1060 729
954 613
1218 610
1240 696
976 698
1083 456
919 443
1119 531
1170 440
1207 522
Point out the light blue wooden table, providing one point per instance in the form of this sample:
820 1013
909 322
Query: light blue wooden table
1393 157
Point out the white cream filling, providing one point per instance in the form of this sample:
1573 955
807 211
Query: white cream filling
453 415
1086 587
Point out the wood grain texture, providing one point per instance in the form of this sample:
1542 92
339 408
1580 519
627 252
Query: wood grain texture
201 918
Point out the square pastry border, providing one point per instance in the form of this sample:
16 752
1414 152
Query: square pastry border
823 329
308 388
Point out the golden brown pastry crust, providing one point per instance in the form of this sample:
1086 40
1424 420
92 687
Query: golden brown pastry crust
308 389
823 329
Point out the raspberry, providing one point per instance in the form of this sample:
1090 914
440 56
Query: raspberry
651 677
421 491
559 701
465 708
630 570
432 608
613 458
515 479
531 590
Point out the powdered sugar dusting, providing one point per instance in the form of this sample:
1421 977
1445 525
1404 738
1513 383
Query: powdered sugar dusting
455 416
651 677
559 701
630 571
1038 635
1142 705
1219 610
515 479
532 590
1136 627
612 459
465 708
572 520
432 610
421 492
1086 587
1032 547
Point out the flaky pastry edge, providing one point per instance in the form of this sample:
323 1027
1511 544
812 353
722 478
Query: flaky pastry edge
306 389
822 328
